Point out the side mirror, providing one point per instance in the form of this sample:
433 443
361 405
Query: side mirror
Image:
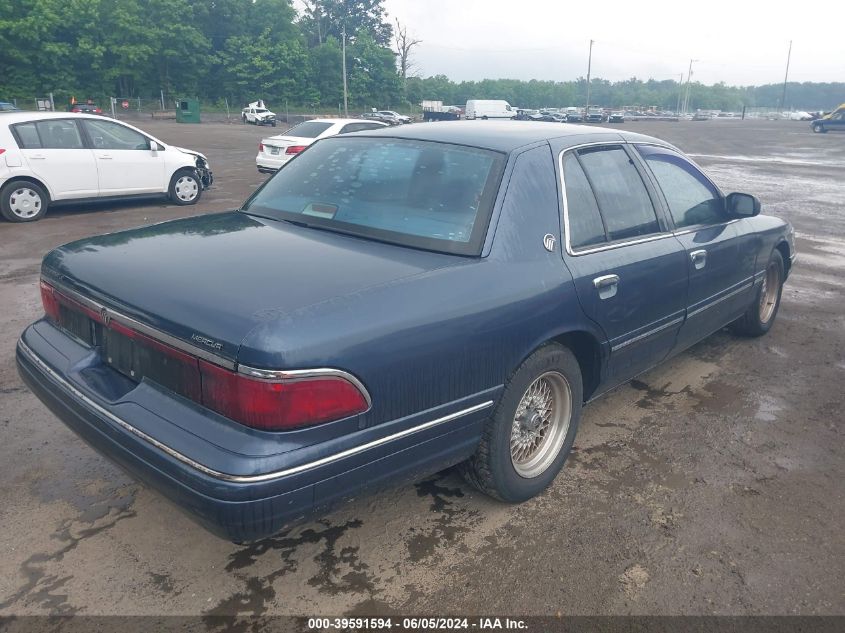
154 146
743 205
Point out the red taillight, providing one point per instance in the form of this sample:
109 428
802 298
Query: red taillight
76 110
51 303
295 149
2 151
278 406
261 147
98 111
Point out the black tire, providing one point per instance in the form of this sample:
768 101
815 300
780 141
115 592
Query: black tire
23 201
492 469
181 192
759 318
818 128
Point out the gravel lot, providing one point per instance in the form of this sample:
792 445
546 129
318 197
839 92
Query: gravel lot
710 485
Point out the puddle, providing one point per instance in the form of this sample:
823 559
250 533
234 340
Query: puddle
767 408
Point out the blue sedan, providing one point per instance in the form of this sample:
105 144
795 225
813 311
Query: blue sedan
391 303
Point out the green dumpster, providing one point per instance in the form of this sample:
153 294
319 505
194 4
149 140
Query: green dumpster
188 111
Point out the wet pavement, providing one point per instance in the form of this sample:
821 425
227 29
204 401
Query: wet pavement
710 485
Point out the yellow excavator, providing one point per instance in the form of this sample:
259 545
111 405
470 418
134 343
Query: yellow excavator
833 120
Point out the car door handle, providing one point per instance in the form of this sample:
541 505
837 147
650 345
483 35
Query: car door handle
607 285
105 157
38 157
699 259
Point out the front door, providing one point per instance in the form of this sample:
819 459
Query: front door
56 154
720 273
629 272
125 163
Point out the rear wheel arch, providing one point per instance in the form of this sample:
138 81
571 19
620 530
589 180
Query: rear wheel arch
34 181
587 350
783 247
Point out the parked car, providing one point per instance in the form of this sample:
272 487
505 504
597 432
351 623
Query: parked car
553 117
53 158
616 116
701 116
381 118
401 118
5 106
88 108
257 113
574 116
594 115
275 151
391 303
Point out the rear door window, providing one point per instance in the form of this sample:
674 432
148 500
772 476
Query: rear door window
59 134
622 197
308 129
358 127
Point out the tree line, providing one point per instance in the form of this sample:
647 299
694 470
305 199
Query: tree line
242 50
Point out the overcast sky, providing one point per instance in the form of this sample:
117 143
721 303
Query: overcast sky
740 42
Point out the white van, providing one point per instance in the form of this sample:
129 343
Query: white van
489 109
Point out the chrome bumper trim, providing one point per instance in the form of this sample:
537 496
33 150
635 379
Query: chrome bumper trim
241 479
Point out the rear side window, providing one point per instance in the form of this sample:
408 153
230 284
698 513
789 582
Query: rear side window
585 225
621 195
59 134
27 136
692 199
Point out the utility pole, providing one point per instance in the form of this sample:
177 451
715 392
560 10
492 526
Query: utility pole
680 92
345 92
785 77
589 67
689 78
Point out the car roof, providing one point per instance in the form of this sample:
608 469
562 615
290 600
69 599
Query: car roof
35 115
506 136
342 121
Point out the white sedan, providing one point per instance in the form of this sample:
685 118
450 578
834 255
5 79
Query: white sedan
275 151
54 157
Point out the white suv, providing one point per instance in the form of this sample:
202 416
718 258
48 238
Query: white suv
53 157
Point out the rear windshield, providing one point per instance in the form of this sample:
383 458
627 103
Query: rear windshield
413 193
308 129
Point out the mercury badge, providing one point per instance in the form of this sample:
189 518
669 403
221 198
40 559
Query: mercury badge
549 242
207 341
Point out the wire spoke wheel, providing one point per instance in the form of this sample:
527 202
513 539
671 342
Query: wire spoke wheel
25 203
769 292
540 424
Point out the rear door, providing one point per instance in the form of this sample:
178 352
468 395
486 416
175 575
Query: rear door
720 259
125 163
55 152
630 273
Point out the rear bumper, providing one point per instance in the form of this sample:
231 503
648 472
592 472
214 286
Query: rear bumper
270 164
246 496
